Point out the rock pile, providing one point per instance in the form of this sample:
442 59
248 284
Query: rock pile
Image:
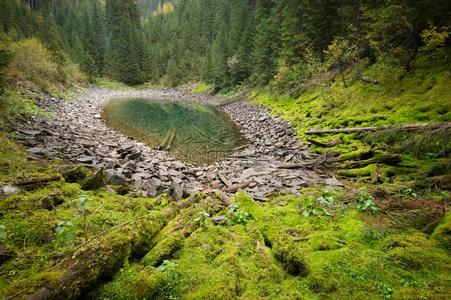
78 134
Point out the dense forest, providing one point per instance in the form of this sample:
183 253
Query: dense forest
225 149
228 43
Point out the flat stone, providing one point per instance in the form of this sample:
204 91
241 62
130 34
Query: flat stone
175 191
31 132
125 147
334 181
85 160
37 151
218 219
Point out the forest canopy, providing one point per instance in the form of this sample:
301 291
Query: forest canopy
227 43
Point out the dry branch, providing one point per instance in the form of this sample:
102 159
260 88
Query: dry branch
331 143
404 128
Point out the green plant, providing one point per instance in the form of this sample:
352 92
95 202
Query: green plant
168 267
317 206
3 234
64 232
202 218
83 208
366 203
386 290
237 216
312 206
410 192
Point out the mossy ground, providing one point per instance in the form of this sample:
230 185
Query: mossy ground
421 96
263 251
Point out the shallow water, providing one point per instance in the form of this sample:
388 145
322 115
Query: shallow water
193 132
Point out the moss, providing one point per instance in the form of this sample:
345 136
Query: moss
163 250
442 234
361 172
412 252
324 241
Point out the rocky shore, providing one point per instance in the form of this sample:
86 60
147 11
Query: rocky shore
77 133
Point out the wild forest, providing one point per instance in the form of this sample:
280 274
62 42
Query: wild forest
213 149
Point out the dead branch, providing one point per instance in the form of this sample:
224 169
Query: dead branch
404 128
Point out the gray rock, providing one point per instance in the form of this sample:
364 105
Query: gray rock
114 177
37 151
31 132
218 219
85 160
125 147
175 192
134 155
9 190
334 181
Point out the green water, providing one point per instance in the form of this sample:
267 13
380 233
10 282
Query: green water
193 132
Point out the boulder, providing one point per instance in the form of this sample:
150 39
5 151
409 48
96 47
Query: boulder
114 177
175 192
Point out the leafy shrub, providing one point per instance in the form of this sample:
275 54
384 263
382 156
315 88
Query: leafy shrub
237 216
36 64
366 203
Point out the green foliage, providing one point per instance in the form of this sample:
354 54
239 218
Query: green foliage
366 203
318 206
6 56
64 232
237 216
433 38
169 267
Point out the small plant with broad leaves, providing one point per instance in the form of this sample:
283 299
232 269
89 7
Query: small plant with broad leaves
386 291
64 232
168 267
366 203
237 216
410 193
318 206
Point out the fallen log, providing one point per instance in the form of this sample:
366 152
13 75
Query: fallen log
385 158
404 128
331 143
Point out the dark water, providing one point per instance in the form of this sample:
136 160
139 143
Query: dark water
194 132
